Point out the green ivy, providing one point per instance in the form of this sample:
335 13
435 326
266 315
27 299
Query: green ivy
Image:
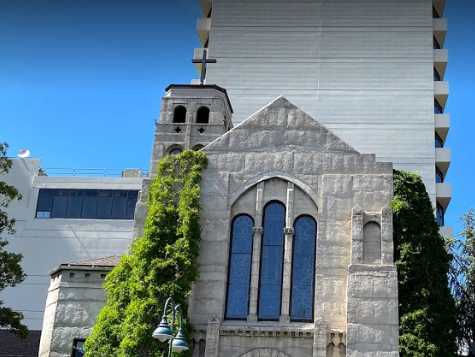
160 264
426 307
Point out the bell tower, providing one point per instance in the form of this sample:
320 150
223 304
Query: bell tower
191 117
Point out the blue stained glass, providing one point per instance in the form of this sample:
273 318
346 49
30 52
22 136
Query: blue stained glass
270 282
240 268
303 269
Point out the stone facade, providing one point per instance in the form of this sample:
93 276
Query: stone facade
280 153
75 297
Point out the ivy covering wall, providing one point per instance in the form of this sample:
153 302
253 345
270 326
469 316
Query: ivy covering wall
160 264
427 313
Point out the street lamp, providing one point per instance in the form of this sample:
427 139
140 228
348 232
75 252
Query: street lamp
164 332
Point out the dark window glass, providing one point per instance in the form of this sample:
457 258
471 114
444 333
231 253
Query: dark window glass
440 216
202 116
437 45
132 197
75 204
175 150
78 347
439 143
439 176
438 108
60 204
436 75
45 204
86 204
89 205
104 204
435 13
240 260
270 283
303 269
179 115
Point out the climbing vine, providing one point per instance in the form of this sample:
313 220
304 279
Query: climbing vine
162 263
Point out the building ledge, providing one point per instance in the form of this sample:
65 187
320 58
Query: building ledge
444 194
203 27
440 29
206 6
442 125
439 6
443 158
441 59
441 92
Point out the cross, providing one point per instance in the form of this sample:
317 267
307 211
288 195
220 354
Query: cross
204 64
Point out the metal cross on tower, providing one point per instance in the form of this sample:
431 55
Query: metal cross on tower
204 64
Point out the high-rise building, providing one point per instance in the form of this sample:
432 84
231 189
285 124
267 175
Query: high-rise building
372 71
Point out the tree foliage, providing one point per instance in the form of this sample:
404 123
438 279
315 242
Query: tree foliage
160 264
426 307
11 272
463 280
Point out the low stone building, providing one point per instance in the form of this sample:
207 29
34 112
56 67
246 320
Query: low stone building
296 257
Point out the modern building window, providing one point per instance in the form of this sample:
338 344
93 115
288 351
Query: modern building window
303 269
439 176
435 13
202 116
439 143
437 76
78 347
179 115
372 243
437 45
440 215
270 283
240 260
86 204
438 108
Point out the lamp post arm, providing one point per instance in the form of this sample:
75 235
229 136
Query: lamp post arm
164 316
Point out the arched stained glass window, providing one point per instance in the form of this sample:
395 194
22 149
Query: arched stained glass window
240 259
270 282
303 269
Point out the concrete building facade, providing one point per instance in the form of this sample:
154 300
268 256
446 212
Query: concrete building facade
371 70
45 240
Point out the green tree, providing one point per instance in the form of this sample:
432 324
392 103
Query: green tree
427 310
463 280
11 272
162 263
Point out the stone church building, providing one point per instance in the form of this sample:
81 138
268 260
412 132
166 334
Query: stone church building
296 254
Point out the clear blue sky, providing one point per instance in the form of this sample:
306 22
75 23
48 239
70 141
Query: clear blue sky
81 81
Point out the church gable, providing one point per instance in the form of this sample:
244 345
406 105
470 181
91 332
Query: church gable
280 126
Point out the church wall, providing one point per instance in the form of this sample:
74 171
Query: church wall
254 164
362 68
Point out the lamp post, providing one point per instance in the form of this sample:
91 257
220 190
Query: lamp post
165 332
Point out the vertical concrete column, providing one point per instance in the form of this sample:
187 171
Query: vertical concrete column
357 236
256 253
287 274
212 338
387 247
320 340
